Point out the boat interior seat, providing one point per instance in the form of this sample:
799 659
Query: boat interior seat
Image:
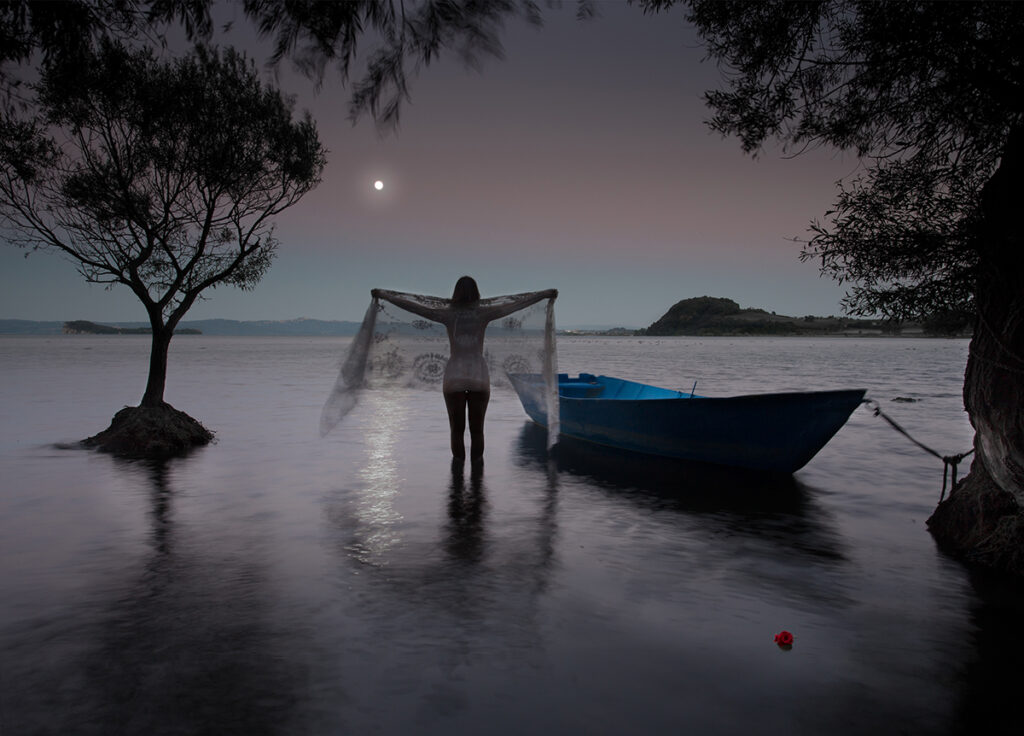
589 386
618 389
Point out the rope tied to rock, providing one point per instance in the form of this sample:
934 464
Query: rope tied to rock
949 462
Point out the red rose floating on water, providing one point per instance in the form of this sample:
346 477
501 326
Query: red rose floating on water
784 639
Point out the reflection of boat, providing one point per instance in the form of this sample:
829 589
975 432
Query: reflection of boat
774 432
752 520
659 481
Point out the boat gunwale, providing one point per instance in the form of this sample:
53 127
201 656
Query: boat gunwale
690 396
699 398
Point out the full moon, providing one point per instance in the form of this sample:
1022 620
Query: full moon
378 185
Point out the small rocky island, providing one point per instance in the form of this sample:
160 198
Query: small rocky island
708 316
150 433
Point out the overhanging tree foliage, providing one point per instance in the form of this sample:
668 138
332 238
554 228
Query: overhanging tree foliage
925 93
373 45
162 176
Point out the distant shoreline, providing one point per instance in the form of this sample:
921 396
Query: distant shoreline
326 328
704 316
268 328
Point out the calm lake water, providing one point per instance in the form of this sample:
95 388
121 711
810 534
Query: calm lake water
280 583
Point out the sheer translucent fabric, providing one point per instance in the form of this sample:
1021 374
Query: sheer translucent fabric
399 349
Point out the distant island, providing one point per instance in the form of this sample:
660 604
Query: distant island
83 327
709 316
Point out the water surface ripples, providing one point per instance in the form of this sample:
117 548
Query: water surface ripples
280 583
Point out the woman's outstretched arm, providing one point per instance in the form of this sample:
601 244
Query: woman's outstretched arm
516 302
413 303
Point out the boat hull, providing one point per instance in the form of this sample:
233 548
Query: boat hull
778 432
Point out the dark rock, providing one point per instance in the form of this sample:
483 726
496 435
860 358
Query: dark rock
146 432
981 524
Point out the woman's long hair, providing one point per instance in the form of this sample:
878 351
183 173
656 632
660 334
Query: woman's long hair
466 291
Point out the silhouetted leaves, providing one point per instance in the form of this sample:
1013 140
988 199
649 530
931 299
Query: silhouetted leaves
163 176
925 93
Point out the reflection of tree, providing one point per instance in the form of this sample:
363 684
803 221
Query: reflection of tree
160 498
184 648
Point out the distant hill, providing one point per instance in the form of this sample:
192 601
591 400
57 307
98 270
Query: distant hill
708 315
280 328
84 327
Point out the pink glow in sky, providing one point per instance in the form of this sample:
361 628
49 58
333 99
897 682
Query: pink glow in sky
580 162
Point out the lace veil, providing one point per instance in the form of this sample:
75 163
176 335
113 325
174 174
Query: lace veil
397 349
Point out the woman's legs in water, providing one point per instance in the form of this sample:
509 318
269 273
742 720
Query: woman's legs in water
477 404
455 401
458 404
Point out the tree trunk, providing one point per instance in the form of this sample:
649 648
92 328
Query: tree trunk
154 429
154 396
994 381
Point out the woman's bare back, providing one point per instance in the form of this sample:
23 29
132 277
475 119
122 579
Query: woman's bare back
466 369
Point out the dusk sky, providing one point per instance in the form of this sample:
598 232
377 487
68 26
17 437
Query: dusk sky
581 162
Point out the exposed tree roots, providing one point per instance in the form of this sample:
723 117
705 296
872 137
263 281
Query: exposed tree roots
981 524
155 433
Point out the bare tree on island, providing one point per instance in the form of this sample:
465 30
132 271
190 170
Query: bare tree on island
161 176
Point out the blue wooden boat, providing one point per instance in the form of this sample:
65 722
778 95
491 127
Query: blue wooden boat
774 432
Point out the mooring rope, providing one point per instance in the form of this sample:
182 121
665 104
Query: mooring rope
949 462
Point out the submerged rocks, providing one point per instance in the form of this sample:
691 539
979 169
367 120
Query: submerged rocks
150 432
981 523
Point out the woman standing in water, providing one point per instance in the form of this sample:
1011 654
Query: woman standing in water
467 382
